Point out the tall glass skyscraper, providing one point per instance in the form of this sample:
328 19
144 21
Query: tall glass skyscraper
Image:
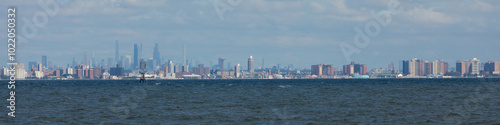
44 61
136 57
251 66
156 55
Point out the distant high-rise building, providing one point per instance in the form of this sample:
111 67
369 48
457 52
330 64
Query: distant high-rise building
39 66
279 68
171 67
121 61
436 67
20 72
185 68
471 67
74 62
151 64
89 73
97 72
156 55
127 62
429 67
475 66
92 61
136 57
117 52
463 67
420 67
491 67
406 67
391 67
322 70
184 65
116 71
164 69
237 70
414 67
178 68
85 59
443 67
263 67
140 53
201 70
354 68
44 60
251 66
69 71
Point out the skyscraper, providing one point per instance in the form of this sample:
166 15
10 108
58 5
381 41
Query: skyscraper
463 67
85 59
406 67
74 62
156 55
170 66
443 67
117 53
237 70
475 66
44 60
184 55
136 57
140 53
185 68
127 62
20 72
414 67
39 66
151 64
251 66
471 67
92 61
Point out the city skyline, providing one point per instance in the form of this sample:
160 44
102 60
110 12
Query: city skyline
155 55
301 33
250 61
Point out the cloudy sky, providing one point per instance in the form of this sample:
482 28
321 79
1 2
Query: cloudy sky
298 32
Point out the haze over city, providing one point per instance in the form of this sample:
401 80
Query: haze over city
295 32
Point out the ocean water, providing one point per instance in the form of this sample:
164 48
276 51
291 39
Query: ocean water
315 101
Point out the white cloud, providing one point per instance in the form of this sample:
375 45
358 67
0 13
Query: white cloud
482 6
429 15
317 7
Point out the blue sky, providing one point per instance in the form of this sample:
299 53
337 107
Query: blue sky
298 32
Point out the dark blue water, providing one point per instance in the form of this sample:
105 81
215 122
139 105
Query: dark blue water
378 101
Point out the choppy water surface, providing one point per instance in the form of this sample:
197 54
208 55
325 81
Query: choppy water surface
383 101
